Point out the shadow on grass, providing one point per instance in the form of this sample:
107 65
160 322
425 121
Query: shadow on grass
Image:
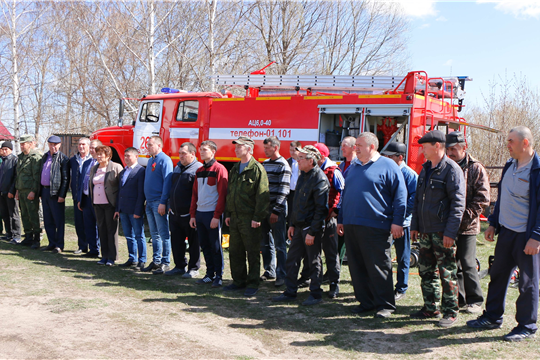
331 322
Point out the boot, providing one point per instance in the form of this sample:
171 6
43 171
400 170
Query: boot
36 243
28 240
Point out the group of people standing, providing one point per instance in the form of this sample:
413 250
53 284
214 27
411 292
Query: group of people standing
365 205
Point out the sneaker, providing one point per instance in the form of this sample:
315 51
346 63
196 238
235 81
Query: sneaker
424 314
102 262
483 322
217 282
161 269
447 321
384 313
191 274
311 301
519 334
473 309
15 241
399 296
77 252
279 282
266 276
250 292
150 267
205 280
175 271
109 263
232 287
303 282
334 291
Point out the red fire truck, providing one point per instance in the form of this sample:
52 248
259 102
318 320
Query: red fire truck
306 108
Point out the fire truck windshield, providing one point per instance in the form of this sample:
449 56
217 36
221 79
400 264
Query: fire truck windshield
150 112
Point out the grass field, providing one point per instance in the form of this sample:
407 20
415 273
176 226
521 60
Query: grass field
65 306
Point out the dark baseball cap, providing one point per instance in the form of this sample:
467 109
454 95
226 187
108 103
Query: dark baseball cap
433 136
395 148
454 138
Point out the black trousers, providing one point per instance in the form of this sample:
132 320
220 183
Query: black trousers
108 231
54 217
470 290
180 230
9 212
297 251
509 254
332 253
370 265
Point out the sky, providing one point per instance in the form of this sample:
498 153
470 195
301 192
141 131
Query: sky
485 40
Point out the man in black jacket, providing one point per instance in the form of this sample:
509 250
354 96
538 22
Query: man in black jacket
54 186
438 208
9 206
310 209
180 201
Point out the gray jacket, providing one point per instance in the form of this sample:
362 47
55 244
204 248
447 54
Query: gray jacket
440 199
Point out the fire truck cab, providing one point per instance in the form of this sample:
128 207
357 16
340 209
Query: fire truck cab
305 108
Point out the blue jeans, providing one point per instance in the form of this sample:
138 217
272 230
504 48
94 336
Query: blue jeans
159 230
274 246
403 254
134 233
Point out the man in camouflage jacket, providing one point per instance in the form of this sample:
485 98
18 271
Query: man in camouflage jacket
27 185
246 207
477 182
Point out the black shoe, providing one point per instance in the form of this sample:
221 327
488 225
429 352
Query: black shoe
91 255
233 287
311 301
128 263
140 265
48 248
519 334
5 238
361 310
334 291
399 295
57 250
150 267
35 245
162 268
27 242
176 271
217 282
250 292
283 298
303 282
279 282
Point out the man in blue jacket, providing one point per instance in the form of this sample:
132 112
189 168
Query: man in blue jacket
75 166
130 208
516 220
372 212
397 151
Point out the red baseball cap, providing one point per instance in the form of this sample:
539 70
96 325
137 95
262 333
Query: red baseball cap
322 149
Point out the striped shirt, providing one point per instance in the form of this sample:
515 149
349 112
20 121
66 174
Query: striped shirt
279 179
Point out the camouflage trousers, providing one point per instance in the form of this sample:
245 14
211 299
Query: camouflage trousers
30 213
437 262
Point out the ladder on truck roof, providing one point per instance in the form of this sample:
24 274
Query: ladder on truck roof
319 82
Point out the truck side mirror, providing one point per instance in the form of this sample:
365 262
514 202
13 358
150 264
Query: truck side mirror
121 113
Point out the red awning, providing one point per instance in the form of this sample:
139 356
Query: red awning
4 133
